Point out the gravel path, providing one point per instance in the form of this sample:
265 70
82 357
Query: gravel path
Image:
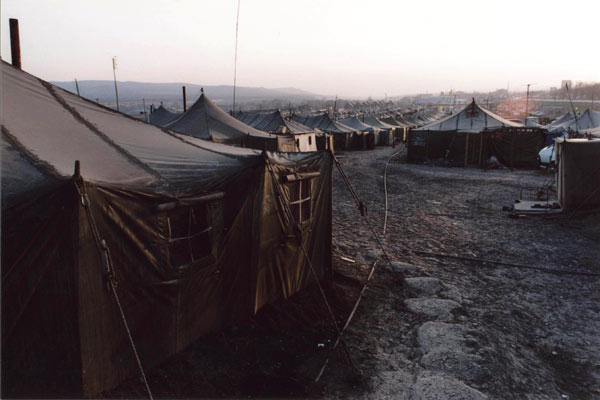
458 329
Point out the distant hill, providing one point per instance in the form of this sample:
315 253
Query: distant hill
136 91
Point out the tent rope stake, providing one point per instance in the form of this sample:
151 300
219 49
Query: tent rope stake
298 235
363 210
107 265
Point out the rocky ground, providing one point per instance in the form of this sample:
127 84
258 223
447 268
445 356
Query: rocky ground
428 327
458 329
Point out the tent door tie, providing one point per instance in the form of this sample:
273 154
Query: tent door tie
107 270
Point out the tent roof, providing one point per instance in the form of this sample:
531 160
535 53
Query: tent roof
589 119
161 116
357 124
393 121
273 122
48 128
560 120
377 123
472 118
323 123
205 120
405 121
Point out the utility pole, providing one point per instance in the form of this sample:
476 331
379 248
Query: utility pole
145 115
527 103
334 106
114 62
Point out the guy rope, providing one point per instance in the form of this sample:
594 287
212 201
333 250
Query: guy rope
107 265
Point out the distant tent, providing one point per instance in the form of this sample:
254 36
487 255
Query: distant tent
578 173
401 126
192 232
560 120
554 129
372 134
589 119
161 116
414 120
343 136
472 136
275 123
386 136
205 120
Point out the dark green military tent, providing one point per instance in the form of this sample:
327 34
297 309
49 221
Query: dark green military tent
472 136
191 234
344 137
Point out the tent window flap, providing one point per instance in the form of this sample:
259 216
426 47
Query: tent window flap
300 199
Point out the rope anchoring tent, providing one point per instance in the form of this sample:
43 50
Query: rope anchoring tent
107 265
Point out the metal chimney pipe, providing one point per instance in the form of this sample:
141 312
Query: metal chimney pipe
184 100
15 43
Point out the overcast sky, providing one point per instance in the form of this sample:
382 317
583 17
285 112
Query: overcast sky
344 47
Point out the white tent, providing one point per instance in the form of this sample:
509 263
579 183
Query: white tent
472 118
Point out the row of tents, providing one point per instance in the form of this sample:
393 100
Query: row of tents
112 225
276 132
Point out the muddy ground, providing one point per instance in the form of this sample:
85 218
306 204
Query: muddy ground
429 327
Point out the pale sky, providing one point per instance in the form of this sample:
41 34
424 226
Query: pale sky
344 47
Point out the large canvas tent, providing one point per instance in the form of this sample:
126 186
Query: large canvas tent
274 122
472 136
578 173
191 235
205 120
343 136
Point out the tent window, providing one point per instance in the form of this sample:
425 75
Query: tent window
300 199
189 235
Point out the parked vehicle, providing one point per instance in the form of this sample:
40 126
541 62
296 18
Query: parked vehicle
547 156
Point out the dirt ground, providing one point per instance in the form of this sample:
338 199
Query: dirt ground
429 327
